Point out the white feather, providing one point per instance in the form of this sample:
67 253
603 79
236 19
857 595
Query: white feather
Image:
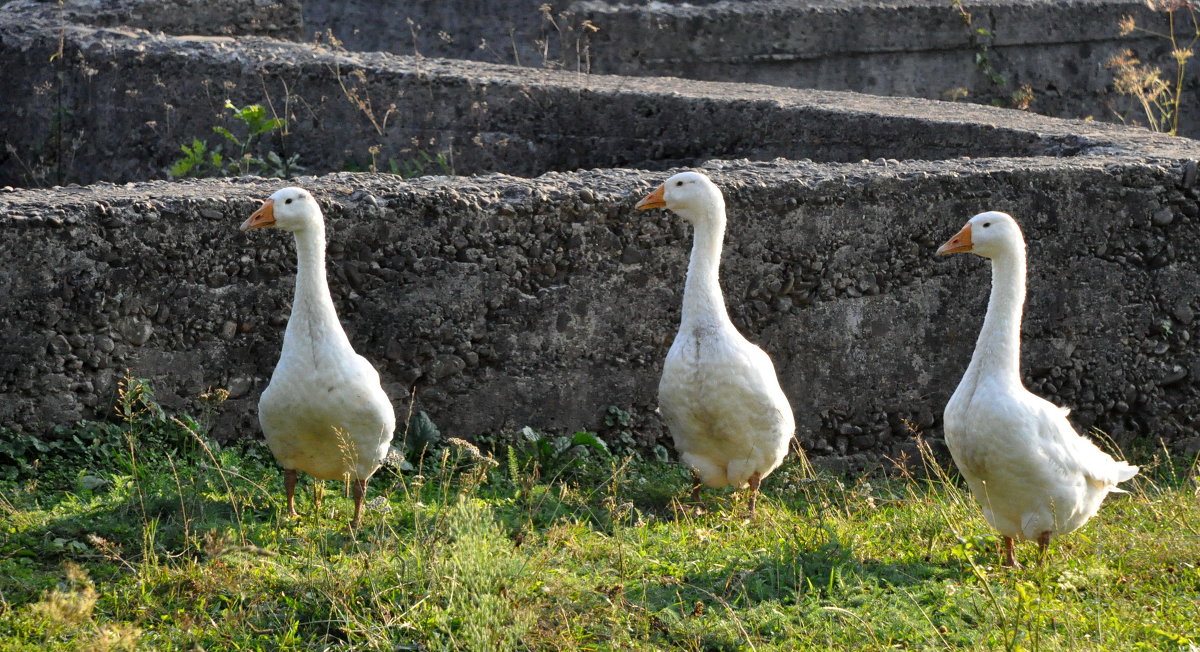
1032 474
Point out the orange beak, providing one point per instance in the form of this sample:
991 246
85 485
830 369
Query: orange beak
653 200
261 218
960 243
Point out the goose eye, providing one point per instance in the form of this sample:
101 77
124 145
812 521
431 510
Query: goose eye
678 184
290 201
986 224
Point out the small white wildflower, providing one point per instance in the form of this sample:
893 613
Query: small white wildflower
470 448
394 458
379 504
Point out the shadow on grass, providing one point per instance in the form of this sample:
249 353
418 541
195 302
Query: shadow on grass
124 531
823 571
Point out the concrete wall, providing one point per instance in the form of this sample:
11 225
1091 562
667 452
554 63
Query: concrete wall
507 302
276 18
911 48
123 96
119 103
496 301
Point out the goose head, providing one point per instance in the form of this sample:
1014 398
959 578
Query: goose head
690 195
290 209
987 234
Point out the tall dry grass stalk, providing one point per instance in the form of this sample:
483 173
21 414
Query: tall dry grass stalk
1159 98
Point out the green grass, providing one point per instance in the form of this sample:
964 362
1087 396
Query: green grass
183 544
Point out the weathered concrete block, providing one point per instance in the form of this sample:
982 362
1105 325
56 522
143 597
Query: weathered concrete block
495 301
913 48
276 18
496 318
118 104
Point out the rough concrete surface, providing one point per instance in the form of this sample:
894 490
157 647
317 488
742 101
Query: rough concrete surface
912 48
276 18
496 301
507 302
118 104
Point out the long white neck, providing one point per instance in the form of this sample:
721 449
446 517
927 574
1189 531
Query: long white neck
314 319
702 300
998 349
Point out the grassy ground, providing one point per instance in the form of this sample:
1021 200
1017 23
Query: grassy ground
144 535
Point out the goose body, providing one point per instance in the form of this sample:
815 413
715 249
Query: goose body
324 411
719 395
1033 475
721 401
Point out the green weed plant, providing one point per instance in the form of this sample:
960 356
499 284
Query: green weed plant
202 160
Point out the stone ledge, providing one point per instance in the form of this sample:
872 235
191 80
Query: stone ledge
912 48
513 296
118 104
276 18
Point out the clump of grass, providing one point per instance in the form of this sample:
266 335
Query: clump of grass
574 40
65 614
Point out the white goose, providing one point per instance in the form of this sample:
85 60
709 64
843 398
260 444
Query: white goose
324 411
718 395
1032 474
